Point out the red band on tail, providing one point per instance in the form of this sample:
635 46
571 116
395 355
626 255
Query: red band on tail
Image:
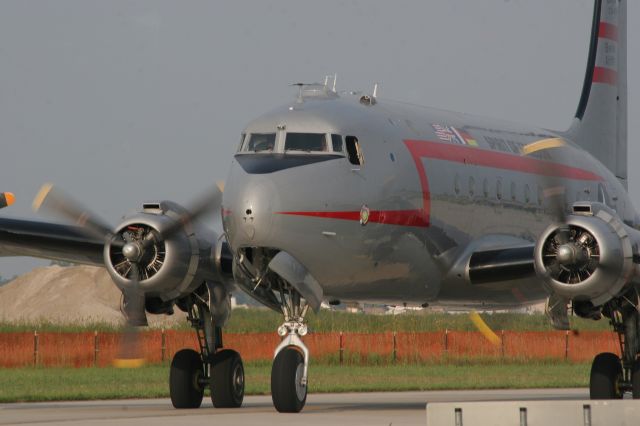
605 75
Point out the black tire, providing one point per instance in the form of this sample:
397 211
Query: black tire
635 380
227 379
184 375
287 393
606 374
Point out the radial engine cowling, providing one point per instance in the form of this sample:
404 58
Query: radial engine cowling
590 258
169 267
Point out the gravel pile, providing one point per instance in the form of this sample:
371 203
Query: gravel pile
68 295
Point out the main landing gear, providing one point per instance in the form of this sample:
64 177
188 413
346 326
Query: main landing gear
213 367
612 376
289 380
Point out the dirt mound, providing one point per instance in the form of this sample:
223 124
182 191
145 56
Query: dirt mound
67 295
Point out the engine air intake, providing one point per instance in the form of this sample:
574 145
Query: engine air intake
151 259
571 255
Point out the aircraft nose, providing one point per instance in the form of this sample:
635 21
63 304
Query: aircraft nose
251 214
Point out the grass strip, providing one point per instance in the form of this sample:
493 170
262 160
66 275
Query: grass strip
55 384
264 320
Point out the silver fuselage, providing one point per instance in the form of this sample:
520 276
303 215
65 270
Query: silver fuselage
429 200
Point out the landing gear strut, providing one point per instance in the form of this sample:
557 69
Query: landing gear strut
612 376
213 367
289 380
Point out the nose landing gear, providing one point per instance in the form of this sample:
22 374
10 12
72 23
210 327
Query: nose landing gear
289 371
289 381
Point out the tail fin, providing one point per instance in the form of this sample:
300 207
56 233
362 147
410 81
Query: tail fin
600 124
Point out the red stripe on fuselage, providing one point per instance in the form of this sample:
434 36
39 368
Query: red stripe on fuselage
605 75
498 160
608 31
387 217
458 154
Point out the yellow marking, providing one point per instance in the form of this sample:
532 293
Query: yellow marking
220 185
42 194
542 144
9 198
484 328
128 362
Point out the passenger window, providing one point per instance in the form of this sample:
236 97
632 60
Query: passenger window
354 151
261 142
499 189
307 142
336 142
540 195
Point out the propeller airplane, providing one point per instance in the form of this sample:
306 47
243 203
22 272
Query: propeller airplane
354 198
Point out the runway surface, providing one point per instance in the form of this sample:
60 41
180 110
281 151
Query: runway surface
380 408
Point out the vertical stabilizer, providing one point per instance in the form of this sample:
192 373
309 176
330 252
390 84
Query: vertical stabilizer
600 125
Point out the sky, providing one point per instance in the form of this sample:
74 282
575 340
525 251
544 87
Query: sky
120 102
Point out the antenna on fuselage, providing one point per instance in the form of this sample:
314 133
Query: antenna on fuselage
370 100
300 99
333 85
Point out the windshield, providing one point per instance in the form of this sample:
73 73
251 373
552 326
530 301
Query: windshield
258 142
306 142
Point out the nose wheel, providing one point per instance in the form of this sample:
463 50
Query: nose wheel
288 390
289 382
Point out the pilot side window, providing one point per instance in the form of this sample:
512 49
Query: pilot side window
336 143
353 150
260 142
307 142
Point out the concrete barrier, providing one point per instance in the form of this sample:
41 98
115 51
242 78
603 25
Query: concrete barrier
534 413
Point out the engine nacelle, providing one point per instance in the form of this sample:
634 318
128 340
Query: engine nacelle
590 258
169 267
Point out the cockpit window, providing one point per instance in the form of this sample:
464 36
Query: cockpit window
260 142
336 142
354 151
306 142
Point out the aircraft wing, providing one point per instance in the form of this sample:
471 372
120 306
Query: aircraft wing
49 241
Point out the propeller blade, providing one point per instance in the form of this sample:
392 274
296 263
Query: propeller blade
56 201
134 299
133 307
483 328
554 192
6 199
209 202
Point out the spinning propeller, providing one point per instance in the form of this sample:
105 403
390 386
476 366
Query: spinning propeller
134 246
6 199
565 251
